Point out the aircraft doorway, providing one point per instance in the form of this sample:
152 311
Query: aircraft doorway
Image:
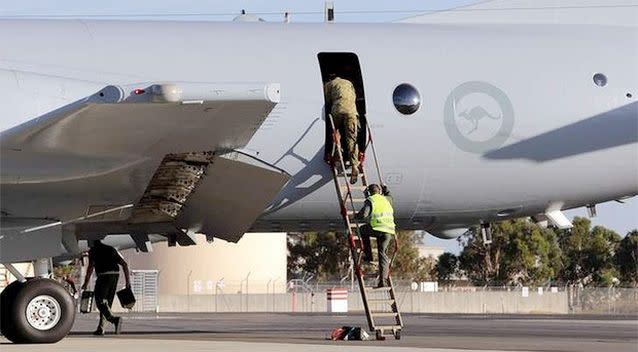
346 66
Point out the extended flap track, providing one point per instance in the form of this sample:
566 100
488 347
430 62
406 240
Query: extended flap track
171 185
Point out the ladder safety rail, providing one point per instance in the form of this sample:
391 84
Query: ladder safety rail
374 155
352 226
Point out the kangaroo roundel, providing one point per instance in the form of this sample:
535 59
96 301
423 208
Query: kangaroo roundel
478 117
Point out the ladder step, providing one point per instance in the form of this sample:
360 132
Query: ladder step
386 301
356 200
385 314
354 187
388 327
384 288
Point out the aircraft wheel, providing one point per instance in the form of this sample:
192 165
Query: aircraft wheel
6 302
42 311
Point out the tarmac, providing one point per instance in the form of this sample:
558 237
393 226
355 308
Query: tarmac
185 332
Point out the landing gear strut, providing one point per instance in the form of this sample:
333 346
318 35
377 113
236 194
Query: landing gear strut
37 310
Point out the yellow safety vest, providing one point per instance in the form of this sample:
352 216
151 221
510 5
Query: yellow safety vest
382 216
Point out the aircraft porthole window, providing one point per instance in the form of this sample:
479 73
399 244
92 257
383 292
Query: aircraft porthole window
629 95
600 79
406 99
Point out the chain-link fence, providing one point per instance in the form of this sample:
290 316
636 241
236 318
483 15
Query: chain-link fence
310 296
610 300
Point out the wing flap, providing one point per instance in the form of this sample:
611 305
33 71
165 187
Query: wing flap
235 191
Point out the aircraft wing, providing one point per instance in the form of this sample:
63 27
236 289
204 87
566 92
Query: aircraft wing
134 131
150 119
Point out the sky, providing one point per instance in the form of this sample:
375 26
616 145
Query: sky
302 11
620 217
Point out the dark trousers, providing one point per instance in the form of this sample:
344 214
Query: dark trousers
105 287
383 241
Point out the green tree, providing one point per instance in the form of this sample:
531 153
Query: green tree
406 262
588 254
626 259
322 254
326 255
446 267
425 269
520 253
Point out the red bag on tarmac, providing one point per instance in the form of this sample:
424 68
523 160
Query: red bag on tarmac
337 334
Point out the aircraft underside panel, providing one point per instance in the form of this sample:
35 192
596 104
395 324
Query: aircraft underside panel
16 245
231 193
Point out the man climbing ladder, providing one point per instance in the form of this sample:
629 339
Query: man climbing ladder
340 97
378 215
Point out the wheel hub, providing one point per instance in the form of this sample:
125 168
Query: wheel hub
43 312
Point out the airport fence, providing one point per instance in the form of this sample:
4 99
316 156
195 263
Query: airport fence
607 300
412 298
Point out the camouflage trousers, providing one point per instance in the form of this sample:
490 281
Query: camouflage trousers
348 126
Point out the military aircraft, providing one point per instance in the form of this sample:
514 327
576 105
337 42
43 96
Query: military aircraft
164 130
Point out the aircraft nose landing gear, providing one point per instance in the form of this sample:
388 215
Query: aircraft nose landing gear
36 311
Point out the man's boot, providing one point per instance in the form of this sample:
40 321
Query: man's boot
118 325
354 175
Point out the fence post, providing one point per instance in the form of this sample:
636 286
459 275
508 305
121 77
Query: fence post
188 290
274 284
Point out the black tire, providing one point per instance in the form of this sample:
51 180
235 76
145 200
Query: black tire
24 331
7 297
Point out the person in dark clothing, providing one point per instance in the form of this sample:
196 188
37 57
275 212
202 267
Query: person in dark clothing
378 214
105 260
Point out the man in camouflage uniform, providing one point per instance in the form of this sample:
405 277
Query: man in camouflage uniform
341 100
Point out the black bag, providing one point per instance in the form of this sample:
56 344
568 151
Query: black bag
86 302
353 333
126 298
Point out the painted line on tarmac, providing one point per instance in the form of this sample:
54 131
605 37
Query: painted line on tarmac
113 344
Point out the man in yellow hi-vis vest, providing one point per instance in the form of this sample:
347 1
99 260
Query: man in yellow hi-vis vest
379 216
341 99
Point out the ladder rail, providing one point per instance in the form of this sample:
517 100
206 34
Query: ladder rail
370 143
342 200
337 148
399 319
357 248
374 154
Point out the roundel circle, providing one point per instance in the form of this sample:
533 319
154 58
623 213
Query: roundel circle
478 117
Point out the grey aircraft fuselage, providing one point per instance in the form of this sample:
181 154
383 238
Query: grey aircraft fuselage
511 122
